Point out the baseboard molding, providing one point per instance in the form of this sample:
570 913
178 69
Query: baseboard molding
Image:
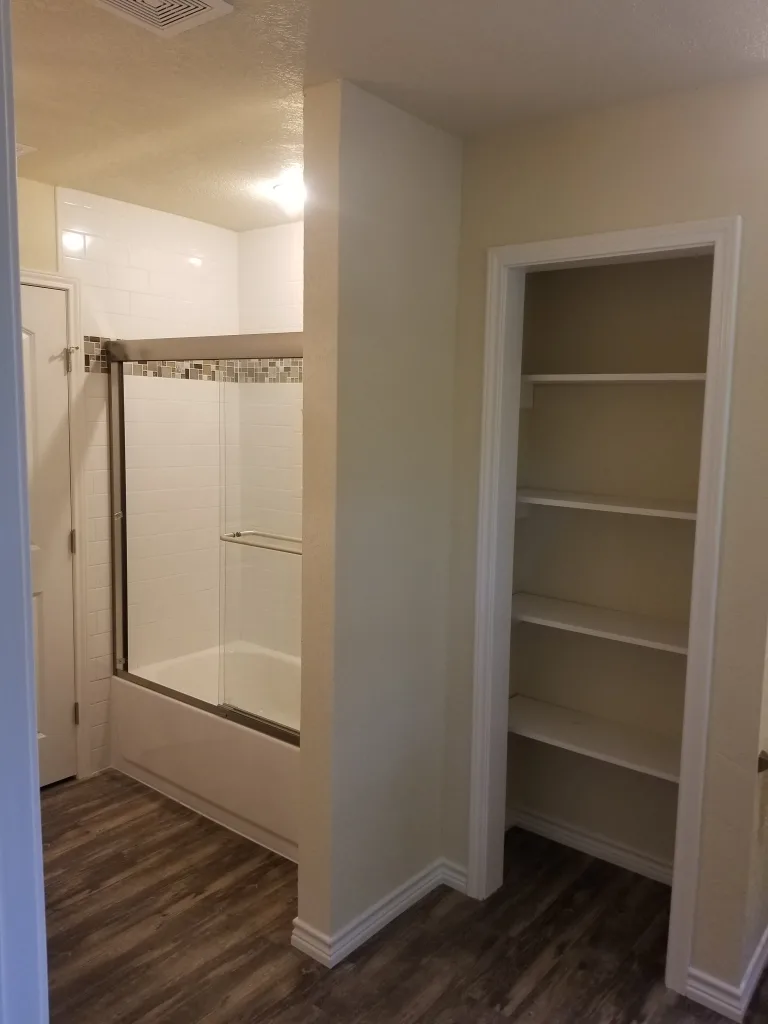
592 843
732 1001
206 809
715 994
331 950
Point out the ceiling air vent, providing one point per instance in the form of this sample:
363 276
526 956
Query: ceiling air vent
167 17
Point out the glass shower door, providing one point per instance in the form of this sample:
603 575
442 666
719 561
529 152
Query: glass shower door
261 437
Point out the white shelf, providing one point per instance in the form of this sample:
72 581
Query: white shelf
607 623
614 378
595 737
606 503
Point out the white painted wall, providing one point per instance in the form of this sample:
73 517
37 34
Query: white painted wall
271 279
382 238
136 277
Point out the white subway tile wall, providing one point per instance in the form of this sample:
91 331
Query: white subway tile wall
271 267
136 277
173 510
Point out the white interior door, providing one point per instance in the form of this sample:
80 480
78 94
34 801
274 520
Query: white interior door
45 340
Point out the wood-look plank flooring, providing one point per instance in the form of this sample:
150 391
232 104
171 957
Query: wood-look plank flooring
158 916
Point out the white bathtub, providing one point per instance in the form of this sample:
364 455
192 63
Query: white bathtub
246 676
241 778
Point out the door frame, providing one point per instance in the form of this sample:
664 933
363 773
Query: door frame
507 267
23 970
78 446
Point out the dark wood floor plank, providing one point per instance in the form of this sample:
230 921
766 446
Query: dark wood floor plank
159 916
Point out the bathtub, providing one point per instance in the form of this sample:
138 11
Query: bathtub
245 676
239 777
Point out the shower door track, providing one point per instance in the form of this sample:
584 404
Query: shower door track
214 349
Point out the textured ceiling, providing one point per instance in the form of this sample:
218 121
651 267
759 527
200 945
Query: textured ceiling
186 124
470 65
182 124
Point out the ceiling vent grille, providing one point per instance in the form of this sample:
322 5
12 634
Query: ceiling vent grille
167 17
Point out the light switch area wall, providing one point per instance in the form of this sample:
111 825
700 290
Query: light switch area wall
271 267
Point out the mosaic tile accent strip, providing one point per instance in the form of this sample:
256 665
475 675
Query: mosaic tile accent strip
231 371
95 354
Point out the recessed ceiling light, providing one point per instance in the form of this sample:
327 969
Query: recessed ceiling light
287 190
73 242
196 261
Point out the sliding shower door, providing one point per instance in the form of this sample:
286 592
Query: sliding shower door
261 444
206 468
172 506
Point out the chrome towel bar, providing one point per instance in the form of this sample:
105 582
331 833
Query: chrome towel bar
268 541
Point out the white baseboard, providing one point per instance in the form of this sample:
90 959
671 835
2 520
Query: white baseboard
732 1001
592 843
331 950
206 809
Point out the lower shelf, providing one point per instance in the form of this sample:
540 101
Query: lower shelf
595 737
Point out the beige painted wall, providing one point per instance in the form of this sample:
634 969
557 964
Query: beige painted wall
686 157
381 265
38 248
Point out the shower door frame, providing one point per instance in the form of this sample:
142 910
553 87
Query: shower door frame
227 346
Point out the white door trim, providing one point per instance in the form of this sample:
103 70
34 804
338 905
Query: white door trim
501 402
23 973
78 437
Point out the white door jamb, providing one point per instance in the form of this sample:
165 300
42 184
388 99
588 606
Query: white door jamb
23 972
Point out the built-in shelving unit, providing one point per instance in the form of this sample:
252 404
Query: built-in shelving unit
614 378
608 623
606 503
595 737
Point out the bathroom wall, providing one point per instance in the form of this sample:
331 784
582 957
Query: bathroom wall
271 276
382 238
148 274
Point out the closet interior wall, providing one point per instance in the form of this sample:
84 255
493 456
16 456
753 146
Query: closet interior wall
607 486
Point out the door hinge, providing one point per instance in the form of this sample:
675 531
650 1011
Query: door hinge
73 542
77 713
68 353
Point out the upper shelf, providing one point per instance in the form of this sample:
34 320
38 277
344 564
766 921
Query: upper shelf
607 503
608 623
614 378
